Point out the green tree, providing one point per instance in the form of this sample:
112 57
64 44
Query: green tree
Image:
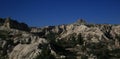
80 39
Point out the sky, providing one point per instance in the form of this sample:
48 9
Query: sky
54 12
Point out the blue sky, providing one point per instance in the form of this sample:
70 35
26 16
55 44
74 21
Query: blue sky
54 12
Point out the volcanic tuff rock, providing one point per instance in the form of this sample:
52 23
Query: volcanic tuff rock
9 23
79 40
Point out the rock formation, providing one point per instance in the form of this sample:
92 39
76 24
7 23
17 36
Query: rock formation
79 40
9 23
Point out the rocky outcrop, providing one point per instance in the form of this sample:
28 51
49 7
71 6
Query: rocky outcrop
79 40
94 38
20 45
9 23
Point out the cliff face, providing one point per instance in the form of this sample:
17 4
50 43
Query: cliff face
72 41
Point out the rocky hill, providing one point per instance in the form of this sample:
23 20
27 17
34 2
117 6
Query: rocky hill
79 40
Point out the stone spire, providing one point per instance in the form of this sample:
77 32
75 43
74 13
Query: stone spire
7 22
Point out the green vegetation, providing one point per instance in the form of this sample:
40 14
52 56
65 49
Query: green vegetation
84 57
3 34
1 21
80 39
90 25
117 37
115 53
3 57
45 54
51 37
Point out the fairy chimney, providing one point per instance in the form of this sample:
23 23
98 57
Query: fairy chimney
7 22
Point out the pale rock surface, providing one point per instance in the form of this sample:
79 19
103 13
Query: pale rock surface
76 41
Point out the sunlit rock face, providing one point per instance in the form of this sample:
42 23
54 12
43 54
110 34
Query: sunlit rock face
79 40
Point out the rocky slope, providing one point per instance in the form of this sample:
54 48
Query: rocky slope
79 40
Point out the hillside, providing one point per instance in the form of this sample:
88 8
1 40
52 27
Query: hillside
79 40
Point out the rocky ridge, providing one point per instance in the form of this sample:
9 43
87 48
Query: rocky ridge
79 40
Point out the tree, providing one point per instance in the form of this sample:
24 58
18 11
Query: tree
80 39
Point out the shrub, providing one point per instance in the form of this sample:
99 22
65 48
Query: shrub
45 54
3 34
80 39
